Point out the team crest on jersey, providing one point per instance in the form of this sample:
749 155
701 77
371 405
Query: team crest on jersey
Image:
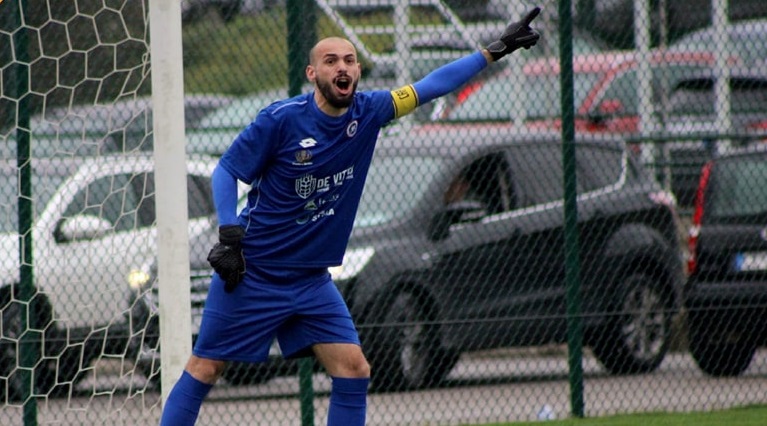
305 186
351 129
303 156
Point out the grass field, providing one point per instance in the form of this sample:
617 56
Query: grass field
246 55
746 416
249 53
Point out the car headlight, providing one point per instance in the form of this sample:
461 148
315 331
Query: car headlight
354 261
138 278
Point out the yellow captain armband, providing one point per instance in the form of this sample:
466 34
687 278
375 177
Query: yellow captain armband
405 100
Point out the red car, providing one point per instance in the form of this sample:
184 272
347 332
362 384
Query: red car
605 91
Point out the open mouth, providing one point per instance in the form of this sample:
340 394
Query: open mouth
344 84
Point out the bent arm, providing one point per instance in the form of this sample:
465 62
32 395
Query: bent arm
225 196
439 82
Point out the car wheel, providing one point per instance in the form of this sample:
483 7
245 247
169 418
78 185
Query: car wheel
406 352
635 339
11 380
150 369
11 385
715 354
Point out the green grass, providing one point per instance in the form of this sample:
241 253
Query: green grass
249 54
246 55
745 416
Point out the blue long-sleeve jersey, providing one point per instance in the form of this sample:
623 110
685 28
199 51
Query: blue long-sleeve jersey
307 170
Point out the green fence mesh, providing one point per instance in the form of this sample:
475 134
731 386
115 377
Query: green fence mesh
471 306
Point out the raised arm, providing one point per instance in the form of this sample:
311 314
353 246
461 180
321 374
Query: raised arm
453 75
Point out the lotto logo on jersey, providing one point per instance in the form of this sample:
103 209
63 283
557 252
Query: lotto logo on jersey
305 186
307 143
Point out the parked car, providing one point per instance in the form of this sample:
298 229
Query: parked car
214 133
691 110
606 98
427 281
614 20
746 41
89 130
93 219
726 301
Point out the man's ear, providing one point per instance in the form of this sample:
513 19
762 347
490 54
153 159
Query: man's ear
310 74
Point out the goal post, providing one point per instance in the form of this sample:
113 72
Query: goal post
170 175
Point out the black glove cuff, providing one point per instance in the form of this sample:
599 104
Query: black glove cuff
497 49
230 235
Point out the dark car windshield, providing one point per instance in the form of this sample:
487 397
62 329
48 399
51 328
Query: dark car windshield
738 192
698 97
394 185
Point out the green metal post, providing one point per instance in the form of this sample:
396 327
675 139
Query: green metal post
301 37
29 341
572 262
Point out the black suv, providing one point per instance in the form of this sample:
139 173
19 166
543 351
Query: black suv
458 246
727 301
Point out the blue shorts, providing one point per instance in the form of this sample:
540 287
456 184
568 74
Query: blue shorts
241 326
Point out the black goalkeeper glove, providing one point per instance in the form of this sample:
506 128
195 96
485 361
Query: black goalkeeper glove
517 34
226 257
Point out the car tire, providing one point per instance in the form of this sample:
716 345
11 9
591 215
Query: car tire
150 369
715 357
406 352
11 311
635 338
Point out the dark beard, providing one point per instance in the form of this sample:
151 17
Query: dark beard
326 89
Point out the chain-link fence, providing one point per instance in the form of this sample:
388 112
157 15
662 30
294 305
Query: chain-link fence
498 270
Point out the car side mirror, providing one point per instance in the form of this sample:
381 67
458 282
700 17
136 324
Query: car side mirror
81 227
461 211
606 109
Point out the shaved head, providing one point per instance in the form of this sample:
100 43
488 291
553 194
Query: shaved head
330 44
335 71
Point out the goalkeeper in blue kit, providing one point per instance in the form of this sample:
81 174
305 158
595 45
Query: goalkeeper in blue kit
306 159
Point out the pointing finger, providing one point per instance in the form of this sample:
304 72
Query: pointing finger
531 15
